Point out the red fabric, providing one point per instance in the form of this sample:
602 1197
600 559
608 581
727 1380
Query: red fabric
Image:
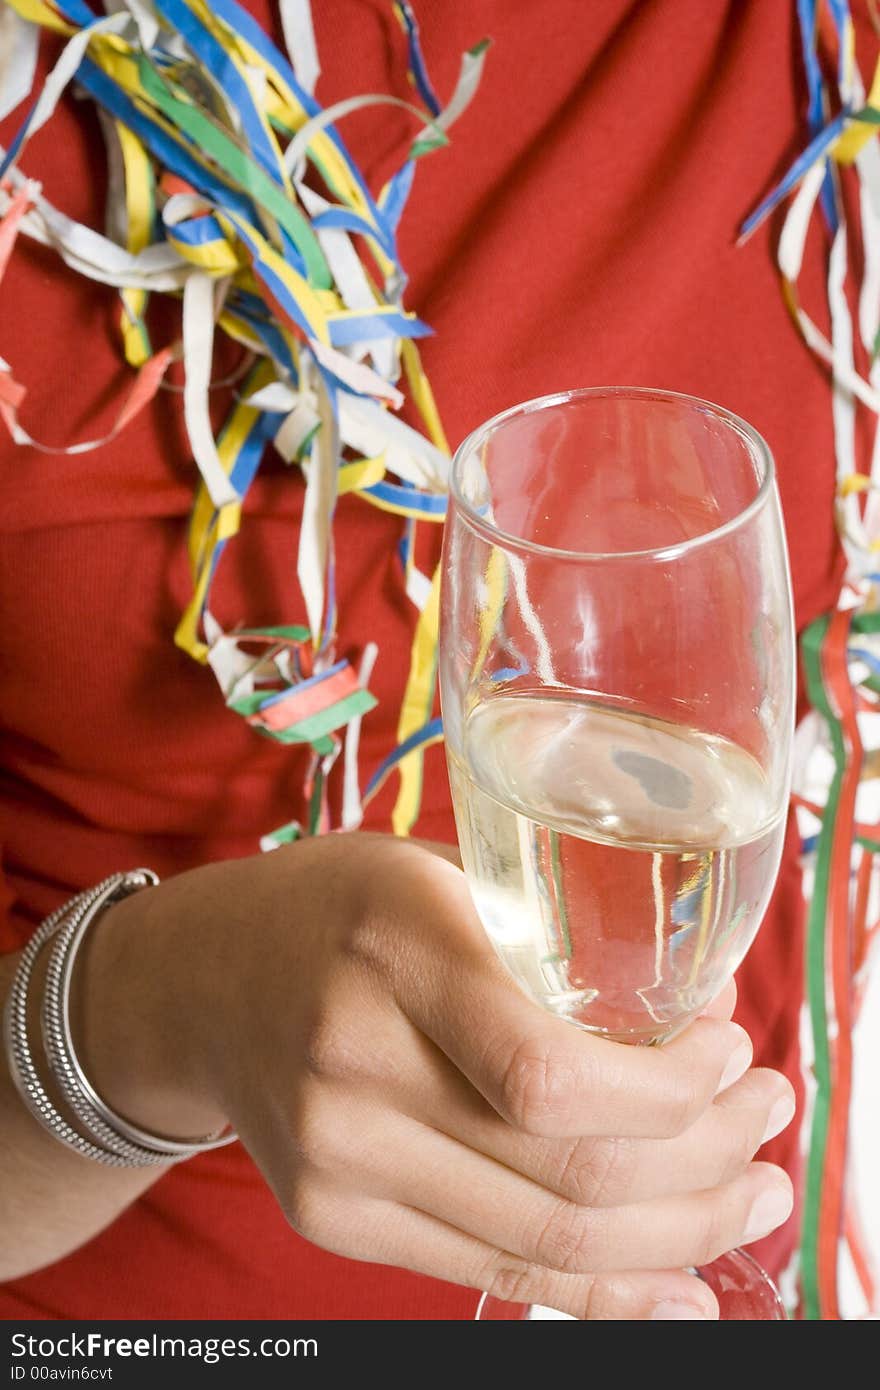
580 230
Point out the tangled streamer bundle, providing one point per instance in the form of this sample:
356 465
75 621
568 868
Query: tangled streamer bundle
232 191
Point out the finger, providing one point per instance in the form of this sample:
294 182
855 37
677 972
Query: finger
611 1171
385 1150
503 1208
422 1084
443 851
542 1075
388 1233
723 1005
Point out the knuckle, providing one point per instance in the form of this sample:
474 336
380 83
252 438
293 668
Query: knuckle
683 1104
382 952
740 1149
603 1300
598 1172
366 940
330 1050
305 1209
333 1221
713 1236
534 1090
315 1135
561 1241
512 1283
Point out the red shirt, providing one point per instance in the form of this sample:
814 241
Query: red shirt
580 230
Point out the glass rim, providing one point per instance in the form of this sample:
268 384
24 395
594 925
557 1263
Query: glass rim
758 446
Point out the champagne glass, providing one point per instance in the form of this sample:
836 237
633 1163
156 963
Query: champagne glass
617 684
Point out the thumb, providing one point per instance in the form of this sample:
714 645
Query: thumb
723 1005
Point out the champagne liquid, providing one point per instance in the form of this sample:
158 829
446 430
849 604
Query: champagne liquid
619 863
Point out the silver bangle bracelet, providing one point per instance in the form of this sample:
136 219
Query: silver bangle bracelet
20 1058
104 1124
57 981
113 1140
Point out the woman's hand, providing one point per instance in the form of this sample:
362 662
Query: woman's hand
339 1004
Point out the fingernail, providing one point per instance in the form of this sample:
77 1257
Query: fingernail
768 1211
781 1115
738 1064
675 1309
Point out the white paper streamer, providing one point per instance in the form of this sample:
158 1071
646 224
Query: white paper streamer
64 70
277 398
144 15
465 88
352 807
355 374
418 587
369 429
299 37
318 504
295 153
198 343
297 426
790 253
157 267
19 46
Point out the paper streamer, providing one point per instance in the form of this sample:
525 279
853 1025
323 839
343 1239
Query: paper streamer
231 188
838 743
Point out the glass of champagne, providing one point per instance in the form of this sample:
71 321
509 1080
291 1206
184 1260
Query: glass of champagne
617 683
